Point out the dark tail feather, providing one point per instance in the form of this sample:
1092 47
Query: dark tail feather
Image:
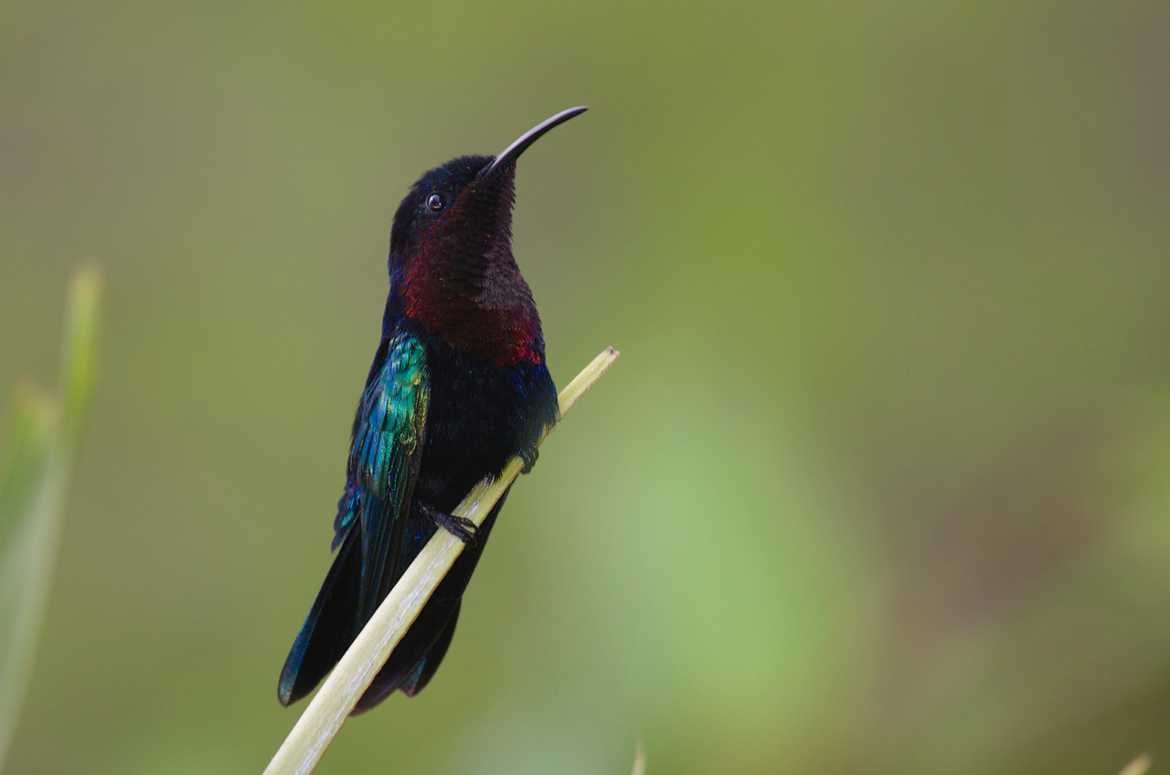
417 656
425 669
328 629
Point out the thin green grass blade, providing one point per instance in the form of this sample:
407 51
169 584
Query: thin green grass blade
33 487
30 523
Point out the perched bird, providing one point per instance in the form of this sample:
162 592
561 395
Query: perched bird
458 386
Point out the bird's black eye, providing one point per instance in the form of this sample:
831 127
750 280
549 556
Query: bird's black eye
435 202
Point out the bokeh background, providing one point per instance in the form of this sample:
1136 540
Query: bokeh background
880 484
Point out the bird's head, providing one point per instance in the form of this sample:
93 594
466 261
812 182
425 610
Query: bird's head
451 241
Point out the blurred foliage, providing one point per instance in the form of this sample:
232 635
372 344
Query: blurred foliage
886 466
33 487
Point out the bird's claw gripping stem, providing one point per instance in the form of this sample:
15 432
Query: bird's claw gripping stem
529 456
461 527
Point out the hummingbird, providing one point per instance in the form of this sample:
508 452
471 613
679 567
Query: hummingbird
459 385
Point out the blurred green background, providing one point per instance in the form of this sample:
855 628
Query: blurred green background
880 483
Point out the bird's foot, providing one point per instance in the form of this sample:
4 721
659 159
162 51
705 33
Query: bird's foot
529 456
461 527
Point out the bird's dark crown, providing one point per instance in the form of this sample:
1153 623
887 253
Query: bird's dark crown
414 218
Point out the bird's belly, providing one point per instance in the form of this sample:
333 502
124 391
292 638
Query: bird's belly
475 424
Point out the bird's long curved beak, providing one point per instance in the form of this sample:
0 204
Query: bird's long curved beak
521 143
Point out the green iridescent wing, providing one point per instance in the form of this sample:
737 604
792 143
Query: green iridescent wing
383 463
371 516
